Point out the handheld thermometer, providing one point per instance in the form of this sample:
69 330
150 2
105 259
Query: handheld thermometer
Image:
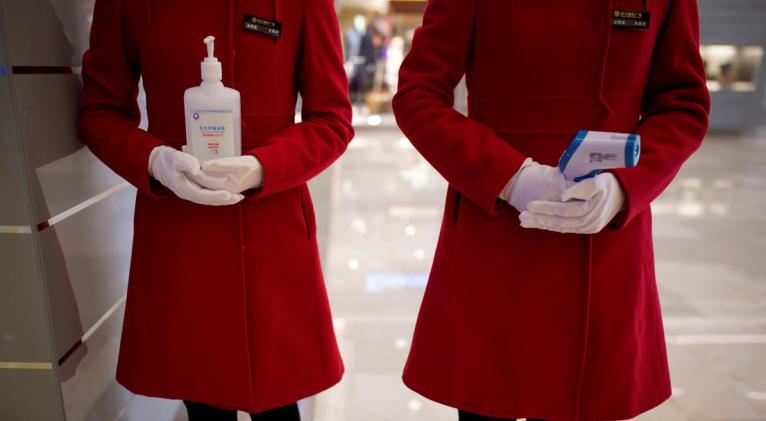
592 152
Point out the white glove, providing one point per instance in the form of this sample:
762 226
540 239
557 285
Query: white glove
534 182
234 175
173 168
588 207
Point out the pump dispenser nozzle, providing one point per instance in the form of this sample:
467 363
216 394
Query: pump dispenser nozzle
210 42
211 67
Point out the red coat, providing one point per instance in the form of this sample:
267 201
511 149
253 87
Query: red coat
528 323
226 305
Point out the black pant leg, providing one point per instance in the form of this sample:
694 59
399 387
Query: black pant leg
469 416
203 412
284 413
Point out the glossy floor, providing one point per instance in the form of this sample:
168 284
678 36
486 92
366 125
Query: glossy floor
379 210
383 215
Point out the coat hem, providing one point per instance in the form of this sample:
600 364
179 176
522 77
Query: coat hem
517 413
261 407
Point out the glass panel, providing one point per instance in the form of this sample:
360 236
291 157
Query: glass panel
732 68
28 380
750 59
48 32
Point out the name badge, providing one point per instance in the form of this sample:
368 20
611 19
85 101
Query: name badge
258 25
630 20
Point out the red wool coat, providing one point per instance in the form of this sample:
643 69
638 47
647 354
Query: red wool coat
528 323
226 305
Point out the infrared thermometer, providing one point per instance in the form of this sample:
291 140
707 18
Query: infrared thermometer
592 152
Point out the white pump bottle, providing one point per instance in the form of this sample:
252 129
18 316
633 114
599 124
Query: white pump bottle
213 113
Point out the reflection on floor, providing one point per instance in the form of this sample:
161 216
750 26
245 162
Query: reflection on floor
381 224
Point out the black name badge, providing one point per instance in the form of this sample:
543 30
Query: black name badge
258 25
630 20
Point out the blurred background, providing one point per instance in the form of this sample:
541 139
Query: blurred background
66 225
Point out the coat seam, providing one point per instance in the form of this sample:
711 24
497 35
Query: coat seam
662 358
586 327
451 244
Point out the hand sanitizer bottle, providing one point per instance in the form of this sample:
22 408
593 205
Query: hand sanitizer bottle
213 114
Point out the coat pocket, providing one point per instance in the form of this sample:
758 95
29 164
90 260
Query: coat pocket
458 200
307 211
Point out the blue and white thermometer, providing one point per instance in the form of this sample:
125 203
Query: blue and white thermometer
592 152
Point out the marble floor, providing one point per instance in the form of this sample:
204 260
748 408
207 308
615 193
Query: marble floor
380 208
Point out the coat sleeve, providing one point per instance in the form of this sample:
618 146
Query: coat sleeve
297 154
468 154
674 111
109 113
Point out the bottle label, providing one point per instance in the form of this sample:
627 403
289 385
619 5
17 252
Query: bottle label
212 134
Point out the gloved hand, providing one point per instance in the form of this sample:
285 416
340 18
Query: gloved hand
234 175
173 168
534 182
588 207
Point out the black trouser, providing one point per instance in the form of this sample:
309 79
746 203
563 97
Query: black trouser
468 416
201 412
